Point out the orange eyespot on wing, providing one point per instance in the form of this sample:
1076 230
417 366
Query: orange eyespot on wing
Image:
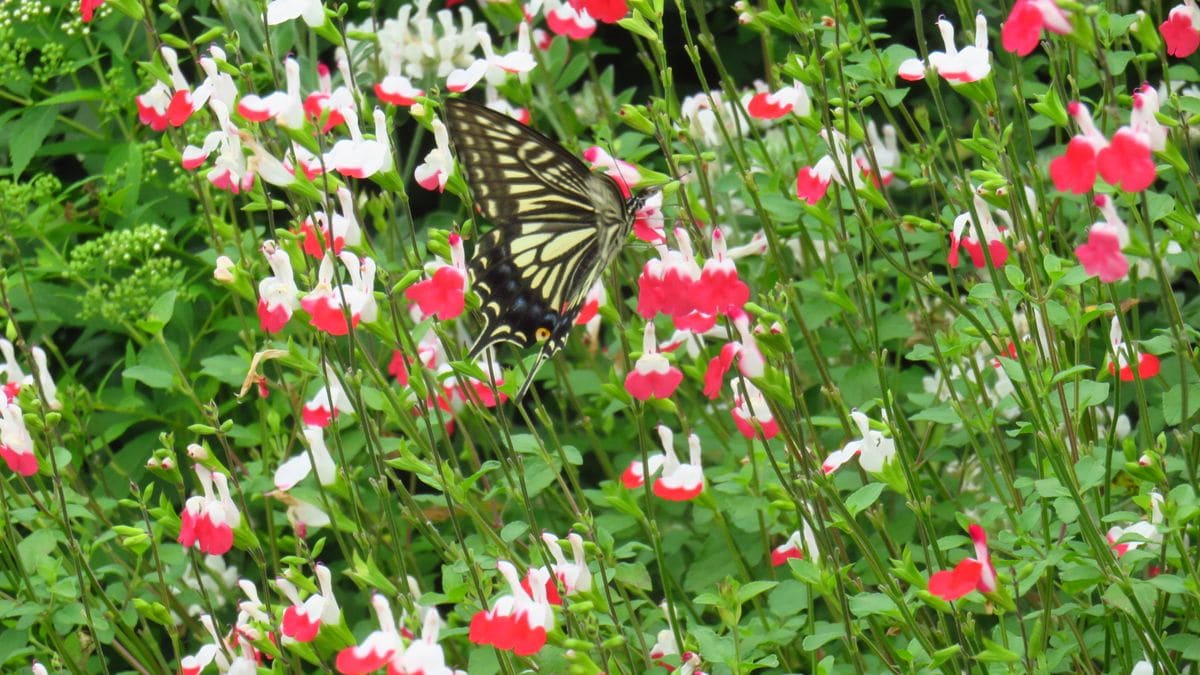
542 334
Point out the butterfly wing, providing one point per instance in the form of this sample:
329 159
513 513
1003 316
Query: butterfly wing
557 226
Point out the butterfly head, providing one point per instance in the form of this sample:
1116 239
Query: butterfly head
638 201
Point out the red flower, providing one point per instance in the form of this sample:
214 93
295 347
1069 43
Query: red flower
971 574
576 24
207 521
1023 28
1101 256
87 9
444 294
517 622
302 620
679 482
813 182
607 11
714 375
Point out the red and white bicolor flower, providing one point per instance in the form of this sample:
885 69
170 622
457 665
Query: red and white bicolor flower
519 621
1125 162
317 456
797 546
359 157
750 359
327 106
327 305
873 449
329 401
887 155
574 576
279 11
970 64
664 643
495 101
396 88
652 375
443 294
1148 365
49 389
303 516
1143 120
606 11
380 648
649 222
1144 531
627 175
635 474
494 66
1023 28
166 105
965 234
435 171
667 284
812 182
1181 30
680 481
766 105
424 656
303 619
719 290
285 107
16 445
751 410
223 88
194 664
345 230
208 521
1102 255
971 574
562 18
14 377
278 296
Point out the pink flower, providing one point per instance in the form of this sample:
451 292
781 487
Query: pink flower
1148 365
969 575
277 294
285 107
714 375
679 482
1126 162
606 11
1181 30
14 377
1146 531
648 221
434 172
1075 171
320 237
16 445
207 522
652 375
443 294
328 402
327 106
1023 28
302 620
1143 121
517 622
773 105
357 157
970 64
1102 256
965 234
873 449
87 9
667 284
625 174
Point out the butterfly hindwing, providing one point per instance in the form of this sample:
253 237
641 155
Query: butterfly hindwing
557 226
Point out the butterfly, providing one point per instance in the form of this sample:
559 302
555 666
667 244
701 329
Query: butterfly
557 226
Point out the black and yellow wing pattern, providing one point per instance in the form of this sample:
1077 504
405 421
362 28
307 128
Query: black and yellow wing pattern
557 226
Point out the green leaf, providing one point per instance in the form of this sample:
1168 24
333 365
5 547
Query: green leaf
753 589
27 134
634 575
863 497
994 653
869 604
160 313
151 376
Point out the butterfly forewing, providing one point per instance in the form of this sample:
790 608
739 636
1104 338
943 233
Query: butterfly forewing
557 226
